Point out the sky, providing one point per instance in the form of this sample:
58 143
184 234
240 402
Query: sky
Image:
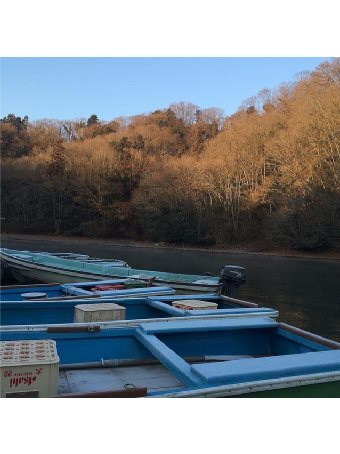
72 88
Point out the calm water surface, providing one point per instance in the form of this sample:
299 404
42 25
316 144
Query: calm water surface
306 292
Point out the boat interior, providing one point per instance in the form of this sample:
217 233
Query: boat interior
64 260
110 288
136 309
16 292
163 358
104 287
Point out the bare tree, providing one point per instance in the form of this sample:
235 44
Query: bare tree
213 115
186 111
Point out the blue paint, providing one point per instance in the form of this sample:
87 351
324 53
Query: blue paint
172 342
62 311
180 368
54 312
14 294
222 303
249 370
211 325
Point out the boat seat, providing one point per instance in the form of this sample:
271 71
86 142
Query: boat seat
257 369
208 325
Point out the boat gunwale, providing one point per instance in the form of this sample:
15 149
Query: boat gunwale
132 323
32 260
309 336
24 286
48 268
256 386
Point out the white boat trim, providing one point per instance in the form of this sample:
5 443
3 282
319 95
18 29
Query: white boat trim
132 323
257 386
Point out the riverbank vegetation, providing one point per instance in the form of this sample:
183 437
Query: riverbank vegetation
268 173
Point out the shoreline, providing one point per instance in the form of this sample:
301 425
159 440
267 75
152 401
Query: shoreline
332 255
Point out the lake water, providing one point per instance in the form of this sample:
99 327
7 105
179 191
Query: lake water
306 292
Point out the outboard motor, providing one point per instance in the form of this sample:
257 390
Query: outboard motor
232 277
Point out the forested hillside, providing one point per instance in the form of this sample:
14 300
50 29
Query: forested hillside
268 173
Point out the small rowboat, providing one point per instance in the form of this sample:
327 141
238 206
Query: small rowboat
197 358
45 267
46 314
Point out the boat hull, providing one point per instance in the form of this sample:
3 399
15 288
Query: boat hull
322 390
315 388
195 358
28 272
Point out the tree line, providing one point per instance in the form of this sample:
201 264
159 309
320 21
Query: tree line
268 174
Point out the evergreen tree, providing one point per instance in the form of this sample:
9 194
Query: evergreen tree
92 120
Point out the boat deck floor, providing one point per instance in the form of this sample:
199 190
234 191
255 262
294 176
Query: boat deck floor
152 377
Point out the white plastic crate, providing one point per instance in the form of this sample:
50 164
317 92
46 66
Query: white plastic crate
101 312
28 368
197 305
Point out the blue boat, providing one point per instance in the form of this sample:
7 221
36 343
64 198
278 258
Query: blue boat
46 267
42 315
248 357
119 288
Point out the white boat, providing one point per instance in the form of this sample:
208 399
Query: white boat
64 268
28 266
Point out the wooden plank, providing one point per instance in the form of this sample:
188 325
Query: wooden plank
21 394
239 302
63 385
103 380
149 376
94 380
313 337
73 329
126 393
